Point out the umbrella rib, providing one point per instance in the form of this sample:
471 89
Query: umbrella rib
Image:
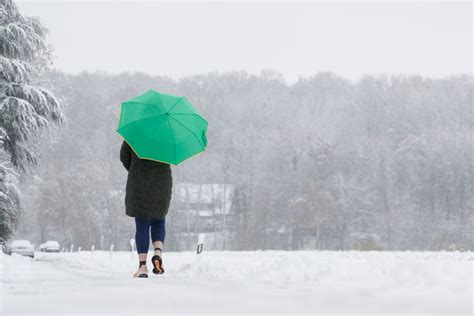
174 113
146 118
174 139
198 115
189 130
174 104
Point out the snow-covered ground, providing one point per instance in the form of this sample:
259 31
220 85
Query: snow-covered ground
240 282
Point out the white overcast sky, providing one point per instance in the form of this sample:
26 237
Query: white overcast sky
297 39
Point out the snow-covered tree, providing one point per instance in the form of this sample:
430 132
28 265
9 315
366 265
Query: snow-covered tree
9 202
25 106
382 163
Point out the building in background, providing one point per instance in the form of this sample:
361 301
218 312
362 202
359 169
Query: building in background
202 209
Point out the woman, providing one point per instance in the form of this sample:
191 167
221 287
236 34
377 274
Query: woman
147 199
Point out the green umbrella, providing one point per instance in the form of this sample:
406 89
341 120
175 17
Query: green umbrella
162 127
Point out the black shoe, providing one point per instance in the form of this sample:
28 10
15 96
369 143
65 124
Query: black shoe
157 263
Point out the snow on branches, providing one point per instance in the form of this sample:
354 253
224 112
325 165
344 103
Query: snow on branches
14 70
24 107
21 37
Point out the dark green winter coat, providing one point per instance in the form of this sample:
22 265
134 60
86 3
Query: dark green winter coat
149 185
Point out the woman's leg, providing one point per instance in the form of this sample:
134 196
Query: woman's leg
158 233
142 237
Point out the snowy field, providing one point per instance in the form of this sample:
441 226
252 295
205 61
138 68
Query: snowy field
345 283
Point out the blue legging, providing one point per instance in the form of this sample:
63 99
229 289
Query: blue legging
142 235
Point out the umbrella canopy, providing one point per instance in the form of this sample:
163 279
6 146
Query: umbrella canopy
162 127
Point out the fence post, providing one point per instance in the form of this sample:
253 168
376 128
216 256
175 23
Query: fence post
110 253
200 246
132 247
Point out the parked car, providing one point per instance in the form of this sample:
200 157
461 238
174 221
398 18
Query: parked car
21 247
49 246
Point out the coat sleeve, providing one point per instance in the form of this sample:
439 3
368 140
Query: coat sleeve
125 155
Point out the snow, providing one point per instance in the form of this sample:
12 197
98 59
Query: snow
240 282
21 243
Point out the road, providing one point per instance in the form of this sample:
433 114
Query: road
233 282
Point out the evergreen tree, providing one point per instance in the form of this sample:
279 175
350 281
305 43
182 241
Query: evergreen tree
25 107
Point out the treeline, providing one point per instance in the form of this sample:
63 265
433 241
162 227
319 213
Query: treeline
382 163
